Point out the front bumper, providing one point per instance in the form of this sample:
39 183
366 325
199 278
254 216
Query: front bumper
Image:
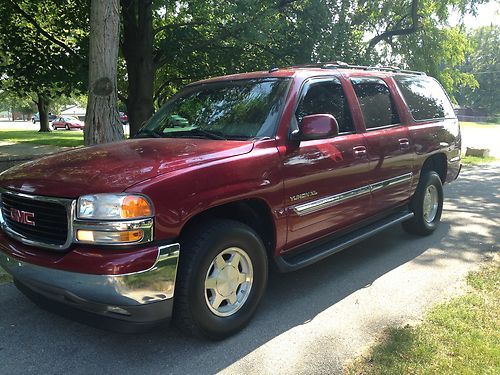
139 297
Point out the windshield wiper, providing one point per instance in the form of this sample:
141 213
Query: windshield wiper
145 133
208 133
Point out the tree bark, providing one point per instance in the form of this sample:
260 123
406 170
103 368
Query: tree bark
137 48
43 113
102 122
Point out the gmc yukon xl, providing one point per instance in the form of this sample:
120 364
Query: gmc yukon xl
232 175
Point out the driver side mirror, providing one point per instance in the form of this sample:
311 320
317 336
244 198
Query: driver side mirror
316 127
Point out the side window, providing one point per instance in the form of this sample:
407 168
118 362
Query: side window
425 97
326 97
376 102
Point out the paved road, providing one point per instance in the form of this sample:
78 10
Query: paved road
311 321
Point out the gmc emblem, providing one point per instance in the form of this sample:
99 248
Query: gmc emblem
22 217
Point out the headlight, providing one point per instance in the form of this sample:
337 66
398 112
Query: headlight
113 207
114 219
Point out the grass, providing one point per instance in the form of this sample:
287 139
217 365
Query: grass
55 138
476 160
482 125
5 278
458 337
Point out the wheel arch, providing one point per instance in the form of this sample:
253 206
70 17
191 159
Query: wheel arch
254 212
436 163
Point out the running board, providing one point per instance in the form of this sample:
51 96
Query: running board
287 263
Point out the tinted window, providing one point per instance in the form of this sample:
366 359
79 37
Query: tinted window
375 101
326 97
425 97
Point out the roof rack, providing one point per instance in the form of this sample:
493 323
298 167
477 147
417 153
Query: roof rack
343 65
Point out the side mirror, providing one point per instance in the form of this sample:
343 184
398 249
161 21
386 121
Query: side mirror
316 127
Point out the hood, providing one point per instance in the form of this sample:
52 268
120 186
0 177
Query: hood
114 167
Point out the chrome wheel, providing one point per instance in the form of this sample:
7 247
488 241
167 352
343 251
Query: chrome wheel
228 281
431 203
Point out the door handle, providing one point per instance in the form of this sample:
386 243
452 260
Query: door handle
359 151
404 144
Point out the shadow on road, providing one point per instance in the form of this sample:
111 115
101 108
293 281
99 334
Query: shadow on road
32 340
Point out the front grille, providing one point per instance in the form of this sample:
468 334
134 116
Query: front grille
50 219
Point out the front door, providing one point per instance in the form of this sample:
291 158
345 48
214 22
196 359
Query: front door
326 180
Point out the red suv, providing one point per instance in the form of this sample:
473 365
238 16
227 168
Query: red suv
233 173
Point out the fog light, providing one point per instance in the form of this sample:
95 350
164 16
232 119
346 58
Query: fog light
92 236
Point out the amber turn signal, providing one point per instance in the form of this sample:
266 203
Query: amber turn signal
135 206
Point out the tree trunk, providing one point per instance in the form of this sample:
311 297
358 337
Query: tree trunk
102 121
138 52
43 114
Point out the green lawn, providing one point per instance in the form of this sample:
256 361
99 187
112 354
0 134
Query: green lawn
458 337
5 278
64 138
475 160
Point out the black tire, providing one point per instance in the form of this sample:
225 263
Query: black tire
54 127
199 248
419 224
67 127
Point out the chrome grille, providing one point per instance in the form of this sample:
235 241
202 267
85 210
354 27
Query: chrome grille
49 218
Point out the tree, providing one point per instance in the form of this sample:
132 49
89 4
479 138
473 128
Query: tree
483 62
42 43
415 35
102 118
14 104
137 47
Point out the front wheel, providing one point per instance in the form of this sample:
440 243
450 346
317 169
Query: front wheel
426 204
222 277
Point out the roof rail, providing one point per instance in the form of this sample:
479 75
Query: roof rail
343 65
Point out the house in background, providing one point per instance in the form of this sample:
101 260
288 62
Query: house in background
75 111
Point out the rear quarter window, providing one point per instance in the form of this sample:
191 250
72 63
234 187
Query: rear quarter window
425 97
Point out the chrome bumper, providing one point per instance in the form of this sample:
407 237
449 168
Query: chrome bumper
117 295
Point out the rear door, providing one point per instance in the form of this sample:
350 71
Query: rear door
326 179
388 143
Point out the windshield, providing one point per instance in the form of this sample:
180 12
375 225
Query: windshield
239 110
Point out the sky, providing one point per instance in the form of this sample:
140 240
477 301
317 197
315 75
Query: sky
488 13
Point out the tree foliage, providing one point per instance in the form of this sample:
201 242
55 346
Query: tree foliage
42 45
483 62
168 43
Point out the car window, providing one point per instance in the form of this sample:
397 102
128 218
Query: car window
234 110
375 101
326 97
425 97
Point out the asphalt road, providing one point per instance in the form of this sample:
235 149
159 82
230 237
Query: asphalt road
311 321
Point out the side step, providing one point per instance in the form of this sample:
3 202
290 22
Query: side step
287 263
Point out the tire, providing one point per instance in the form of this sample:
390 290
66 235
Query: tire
67 127
426 204
207 250
54 127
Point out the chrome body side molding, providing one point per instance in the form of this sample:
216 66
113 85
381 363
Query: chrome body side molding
332 200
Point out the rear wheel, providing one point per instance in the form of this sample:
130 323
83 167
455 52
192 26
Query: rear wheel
222 277
67 127
426 204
